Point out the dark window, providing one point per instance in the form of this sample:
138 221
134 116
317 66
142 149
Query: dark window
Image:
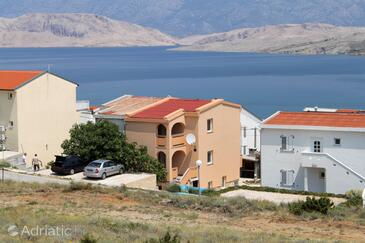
210 125
317 147
284 143
337 141
161 130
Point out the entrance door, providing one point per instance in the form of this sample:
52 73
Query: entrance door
316 180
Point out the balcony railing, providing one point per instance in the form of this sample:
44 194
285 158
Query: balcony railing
161 141
190 173
178 140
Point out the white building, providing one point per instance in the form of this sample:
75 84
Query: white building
250 144
85 111
314 151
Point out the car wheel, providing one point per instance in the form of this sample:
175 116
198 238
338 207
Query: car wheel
121 171
103 176
72 171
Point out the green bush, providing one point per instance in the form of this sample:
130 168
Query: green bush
4 164
173 188
354 198
167 238
88 239
311 204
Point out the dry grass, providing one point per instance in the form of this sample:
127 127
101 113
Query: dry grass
120 215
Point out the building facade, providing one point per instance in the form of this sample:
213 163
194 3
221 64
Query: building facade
37 110
164 126
314 151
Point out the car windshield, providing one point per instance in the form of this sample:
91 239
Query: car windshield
95 164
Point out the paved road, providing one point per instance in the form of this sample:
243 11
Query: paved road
9 175
272 197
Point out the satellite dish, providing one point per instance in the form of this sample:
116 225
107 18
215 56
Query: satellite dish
190 139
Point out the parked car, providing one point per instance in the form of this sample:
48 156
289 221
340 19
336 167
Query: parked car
102 169
68 165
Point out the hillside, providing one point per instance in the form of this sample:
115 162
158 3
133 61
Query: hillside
129 215
288 39
191 17
76 30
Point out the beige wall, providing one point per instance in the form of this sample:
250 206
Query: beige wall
46 110
8 112
224 141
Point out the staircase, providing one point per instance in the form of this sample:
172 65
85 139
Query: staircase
190 173
339 176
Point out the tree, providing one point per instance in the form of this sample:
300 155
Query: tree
90 141
103 140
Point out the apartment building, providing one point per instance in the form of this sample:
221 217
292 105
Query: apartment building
37 110
214 126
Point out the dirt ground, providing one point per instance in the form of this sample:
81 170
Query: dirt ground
284 227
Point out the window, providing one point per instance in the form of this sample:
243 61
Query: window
244 132
322 175
10 96
210 157
337 141
287 177
284 143
287 143
210 185
210 125
244 150
317 146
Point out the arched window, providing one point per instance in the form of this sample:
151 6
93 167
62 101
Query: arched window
161 130
178 128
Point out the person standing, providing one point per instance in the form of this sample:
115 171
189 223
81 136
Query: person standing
24 158
36 163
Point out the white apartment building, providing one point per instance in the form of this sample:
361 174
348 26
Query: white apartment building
314 151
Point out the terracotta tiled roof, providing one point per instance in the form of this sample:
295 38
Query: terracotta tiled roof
347 111
325 119
169 106
10 80
126 104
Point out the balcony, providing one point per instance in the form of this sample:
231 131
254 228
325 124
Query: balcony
178 140
161 141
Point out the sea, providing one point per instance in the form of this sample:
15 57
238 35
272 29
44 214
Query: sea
262 83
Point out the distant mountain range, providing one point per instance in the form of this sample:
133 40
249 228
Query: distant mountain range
288 39
192 17
76 30
90 30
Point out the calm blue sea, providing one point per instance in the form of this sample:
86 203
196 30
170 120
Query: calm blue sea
262 83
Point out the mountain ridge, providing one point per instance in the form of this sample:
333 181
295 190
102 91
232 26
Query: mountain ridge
76 30
309 38
190 17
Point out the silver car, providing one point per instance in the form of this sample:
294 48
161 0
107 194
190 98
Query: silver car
102 169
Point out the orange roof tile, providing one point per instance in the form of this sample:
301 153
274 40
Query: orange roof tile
325 119
169 106
11 80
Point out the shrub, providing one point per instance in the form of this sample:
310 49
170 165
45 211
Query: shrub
78 186
167 238
88 239
173 188
354 198
4 164
311 204
49 164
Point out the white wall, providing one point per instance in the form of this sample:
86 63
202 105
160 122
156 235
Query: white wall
351 152
250 122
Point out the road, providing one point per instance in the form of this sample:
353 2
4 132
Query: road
14 176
